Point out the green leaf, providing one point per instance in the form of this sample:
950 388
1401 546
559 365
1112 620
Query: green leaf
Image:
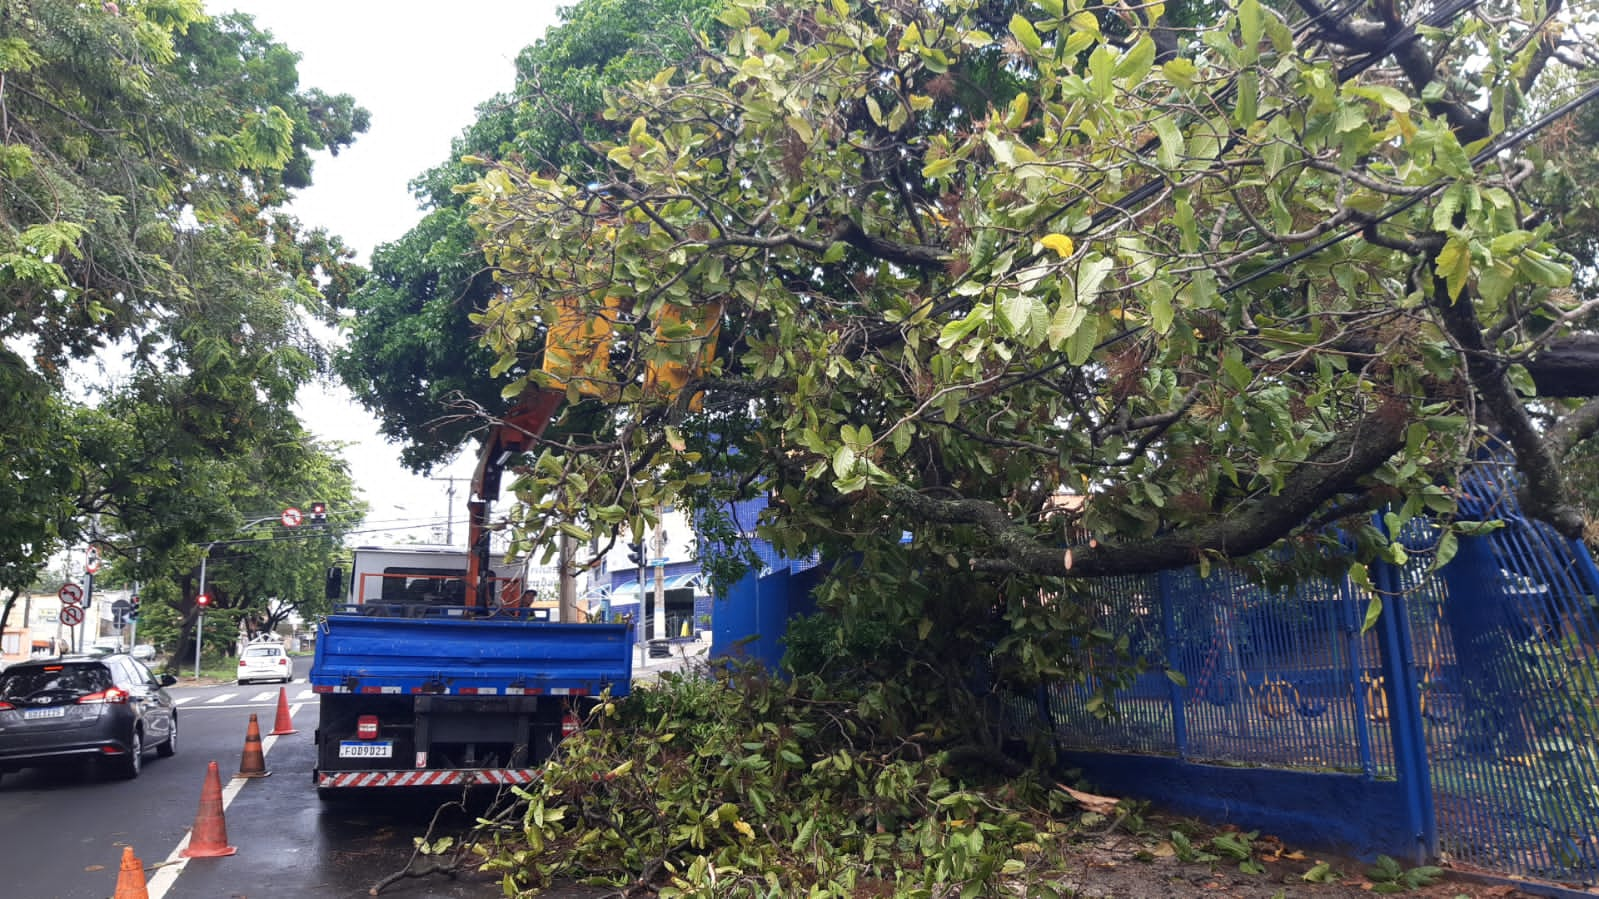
939 167
1081 345
1454 265
1022 29
1170 153
1134 65
1448 545
1373 612
1091 274
1250 27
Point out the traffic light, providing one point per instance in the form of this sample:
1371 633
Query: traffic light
203 600
319 513
635 553
133 609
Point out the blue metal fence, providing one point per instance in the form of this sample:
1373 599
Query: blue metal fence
1463 725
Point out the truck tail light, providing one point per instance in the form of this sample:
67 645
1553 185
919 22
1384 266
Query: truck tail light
6 705
366 727
569 725
110 695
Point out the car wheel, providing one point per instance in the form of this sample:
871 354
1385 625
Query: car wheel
169 747
130 765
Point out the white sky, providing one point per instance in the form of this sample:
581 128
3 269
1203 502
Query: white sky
421 70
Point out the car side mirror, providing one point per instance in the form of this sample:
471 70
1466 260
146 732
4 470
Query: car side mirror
167 680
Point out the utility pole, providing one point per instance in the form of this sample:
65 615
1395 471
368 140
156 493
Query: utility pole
449 508
660 582
566 583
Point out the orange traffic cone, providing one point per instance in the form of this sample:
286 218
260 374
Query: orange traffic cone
130 880
209 837
253 763
284 725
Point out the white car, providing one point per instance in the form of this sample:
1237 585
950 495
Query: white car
265 662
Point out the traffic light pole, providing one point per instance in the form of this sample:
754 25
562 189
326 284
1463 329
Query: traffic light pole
199 625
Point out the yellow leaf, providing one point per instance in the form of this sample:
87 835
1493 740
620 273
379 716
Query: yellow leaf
1060 243
744 828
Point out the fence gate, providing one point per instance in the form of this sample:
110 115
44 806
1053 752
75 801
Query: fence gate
1503 648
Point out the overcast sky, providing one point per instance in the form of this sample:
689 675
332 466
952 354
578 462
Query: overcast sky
421 70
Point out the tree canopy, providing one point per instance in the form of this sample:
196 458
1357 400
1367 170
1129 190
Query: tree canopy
1233 282
157 323
412 357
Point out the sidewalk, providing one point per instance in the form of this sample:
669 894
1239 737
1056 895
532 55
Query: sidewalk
682 655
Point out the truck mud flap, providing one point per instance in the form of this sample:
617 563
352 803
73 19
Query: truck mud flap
491 777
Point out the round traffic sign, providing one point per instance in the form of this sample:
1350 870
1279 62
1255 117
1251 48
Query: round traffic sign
70 593
91 562
291 517
72 616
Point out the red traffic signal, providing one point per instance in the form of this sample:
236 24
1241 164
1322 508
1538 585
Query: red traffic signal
203 600
319 513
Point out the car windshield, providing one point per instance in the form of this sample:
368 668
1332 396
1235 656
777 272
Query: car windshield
66 681
260 651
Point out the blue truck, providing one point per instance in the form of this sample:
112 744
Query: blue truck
441 669
420 689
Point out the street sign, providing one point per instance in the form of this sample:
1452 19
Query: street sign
72 616
291 517
70 593
91 561
121 607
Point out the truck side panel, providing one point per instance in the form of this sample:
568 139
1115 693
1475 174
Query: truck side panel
464 656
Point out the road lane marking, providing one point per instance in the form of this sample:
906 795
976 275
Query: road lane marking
220 698
181 700
176 862
262 697
305 696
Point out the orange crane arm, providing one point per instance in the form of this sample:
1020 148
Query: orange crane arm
512 435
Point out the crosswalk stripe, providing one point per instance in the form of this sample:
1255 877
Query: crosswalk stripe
221 698
262 697
181 700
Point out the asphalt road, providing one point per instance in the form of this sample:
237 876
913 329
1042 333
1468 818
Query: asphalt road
62 834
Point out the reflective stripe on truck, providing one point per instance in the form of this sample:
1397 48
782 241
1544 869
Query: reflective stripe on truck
485 776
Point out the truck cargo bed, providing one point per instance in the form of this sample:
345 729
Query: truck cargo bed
451 652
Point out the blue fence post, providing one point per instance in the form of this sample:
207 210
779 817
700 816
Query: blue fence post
1404 707
1168 625
1352 653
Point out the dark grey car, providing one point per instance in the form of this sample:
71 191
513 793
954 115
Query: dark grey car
110 708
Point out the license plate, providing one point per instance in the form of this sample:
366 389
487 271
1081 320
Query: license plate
366 749
57 712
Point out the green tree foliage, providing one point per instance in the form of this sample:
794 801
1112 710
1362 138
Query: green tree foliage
412 357
145 152
1233 282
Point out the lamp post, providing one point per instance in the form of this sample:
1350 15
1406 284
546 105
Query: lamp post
203 599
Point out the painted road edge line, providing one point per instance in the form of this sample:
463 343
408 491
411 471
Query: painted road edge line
175 862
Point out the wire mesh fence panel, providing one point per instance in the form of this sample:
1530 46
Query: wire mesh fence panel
1504 650
1124 704
1274 677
